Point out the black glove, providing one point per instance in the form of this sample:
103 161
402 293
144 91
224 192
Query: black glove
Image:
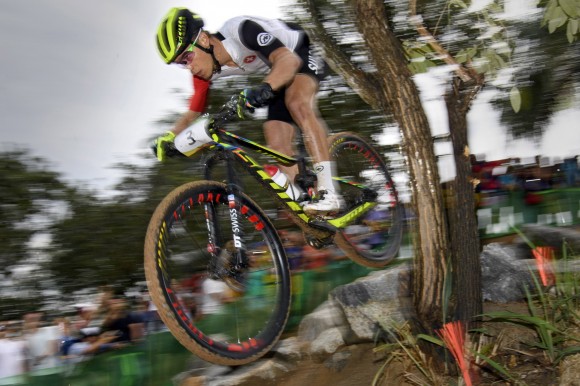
258 96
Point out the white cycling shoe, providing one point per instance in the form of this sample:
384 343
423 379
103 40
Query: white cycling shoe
330 203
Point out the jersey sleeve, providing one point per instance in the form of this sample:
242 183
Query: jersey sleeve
256 38
198 100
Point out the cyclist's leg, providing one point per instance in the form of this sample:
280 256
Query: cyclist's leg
279 131
301 102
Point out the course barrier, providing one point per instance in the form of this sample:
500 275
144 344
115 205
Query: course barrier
499 212
159 357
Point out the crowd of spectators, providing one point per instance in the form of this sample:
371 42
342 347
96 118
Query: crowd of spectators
47 347
42 344
514 174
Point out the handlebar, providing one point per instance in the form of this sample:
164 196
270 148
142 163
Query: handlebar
230 111
200 133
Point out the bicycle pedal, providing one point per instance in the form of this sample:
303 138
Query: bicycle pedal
319 243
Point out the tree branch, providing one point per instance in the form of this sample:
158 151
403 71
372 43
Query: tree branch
362 83
461 72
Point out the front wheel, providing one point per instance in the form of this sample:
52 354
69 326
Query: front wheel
217 272
373 239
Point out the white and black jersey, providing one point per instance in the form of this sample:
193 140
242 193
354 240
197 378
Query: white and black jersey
250 40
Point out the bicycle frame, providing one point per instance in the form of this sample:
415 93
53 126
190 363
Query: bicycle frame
235 153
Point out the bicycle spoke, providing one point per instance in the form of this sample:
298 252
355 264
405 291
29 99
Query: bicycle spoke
230 310
373 238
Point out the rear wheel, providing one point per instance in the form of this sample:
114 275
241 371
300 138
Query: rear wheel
374 238
217 272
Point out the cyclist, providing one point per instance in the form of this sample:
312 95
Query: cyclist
246 45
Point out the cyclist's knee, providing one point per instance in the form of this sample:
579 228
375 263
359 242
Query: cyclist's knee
301 110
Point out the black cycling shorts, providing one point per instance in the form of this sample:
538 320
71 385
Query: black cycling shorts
312 64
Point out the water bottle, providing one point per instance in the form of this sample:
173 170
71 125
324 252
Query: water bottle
281 179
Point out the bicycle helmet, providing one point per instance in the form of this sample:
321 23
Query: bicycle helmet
176 31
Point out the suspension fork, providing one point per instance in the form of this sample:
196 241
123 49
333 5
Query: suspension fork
234 190
217 241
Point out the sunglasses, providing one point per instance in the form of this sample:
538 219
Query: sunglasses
187 56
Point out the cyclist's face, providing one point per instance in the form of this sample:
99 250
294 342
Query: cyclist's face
186 57
199 65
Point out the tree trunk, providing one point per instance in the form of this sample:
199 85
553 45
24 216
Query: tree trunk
466 267
402 98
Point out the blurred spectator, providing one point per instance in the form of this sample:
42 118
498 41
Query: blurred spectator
315 258
12 354
67 335
42 342
379 222
293 243
152 320
508 180
127 325
214 295
570 170
189 304
91 342
84 317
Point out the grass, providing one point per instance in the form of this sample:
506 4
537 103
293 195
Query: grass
553 305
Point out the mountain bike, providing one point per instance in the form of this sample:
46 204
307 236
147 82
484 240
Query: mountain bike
214 238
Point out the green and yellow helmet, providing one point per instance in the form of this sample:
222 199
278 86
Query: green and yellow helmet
176 32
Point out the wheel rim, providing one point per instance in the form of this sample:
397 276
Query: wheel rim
375 233
240 311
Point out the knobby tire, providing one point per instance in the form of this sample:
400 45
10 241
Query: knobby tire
256 299
375 238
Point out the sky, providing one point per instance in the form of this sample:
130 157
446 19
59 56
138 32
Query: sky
82 85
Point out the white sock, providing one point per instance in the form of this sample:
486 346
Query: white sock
324 171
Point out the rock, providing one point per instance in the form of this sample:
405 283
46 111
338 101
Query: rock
355 313
327 342
338 361
570 371
262 372
376 301
290 349
327 315
504 273
193 381
552 236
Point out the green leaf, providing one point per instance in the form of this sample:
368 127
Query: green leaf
568 351
461 57
516 99
569 7
431 339
575 25
494 364
471 52
549 11
569 33
522 319
458 3
571 30
557 19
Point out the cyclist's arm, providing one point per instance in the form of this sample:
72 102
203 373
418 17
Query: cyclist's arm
197 105
184 121
283 62
285 65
